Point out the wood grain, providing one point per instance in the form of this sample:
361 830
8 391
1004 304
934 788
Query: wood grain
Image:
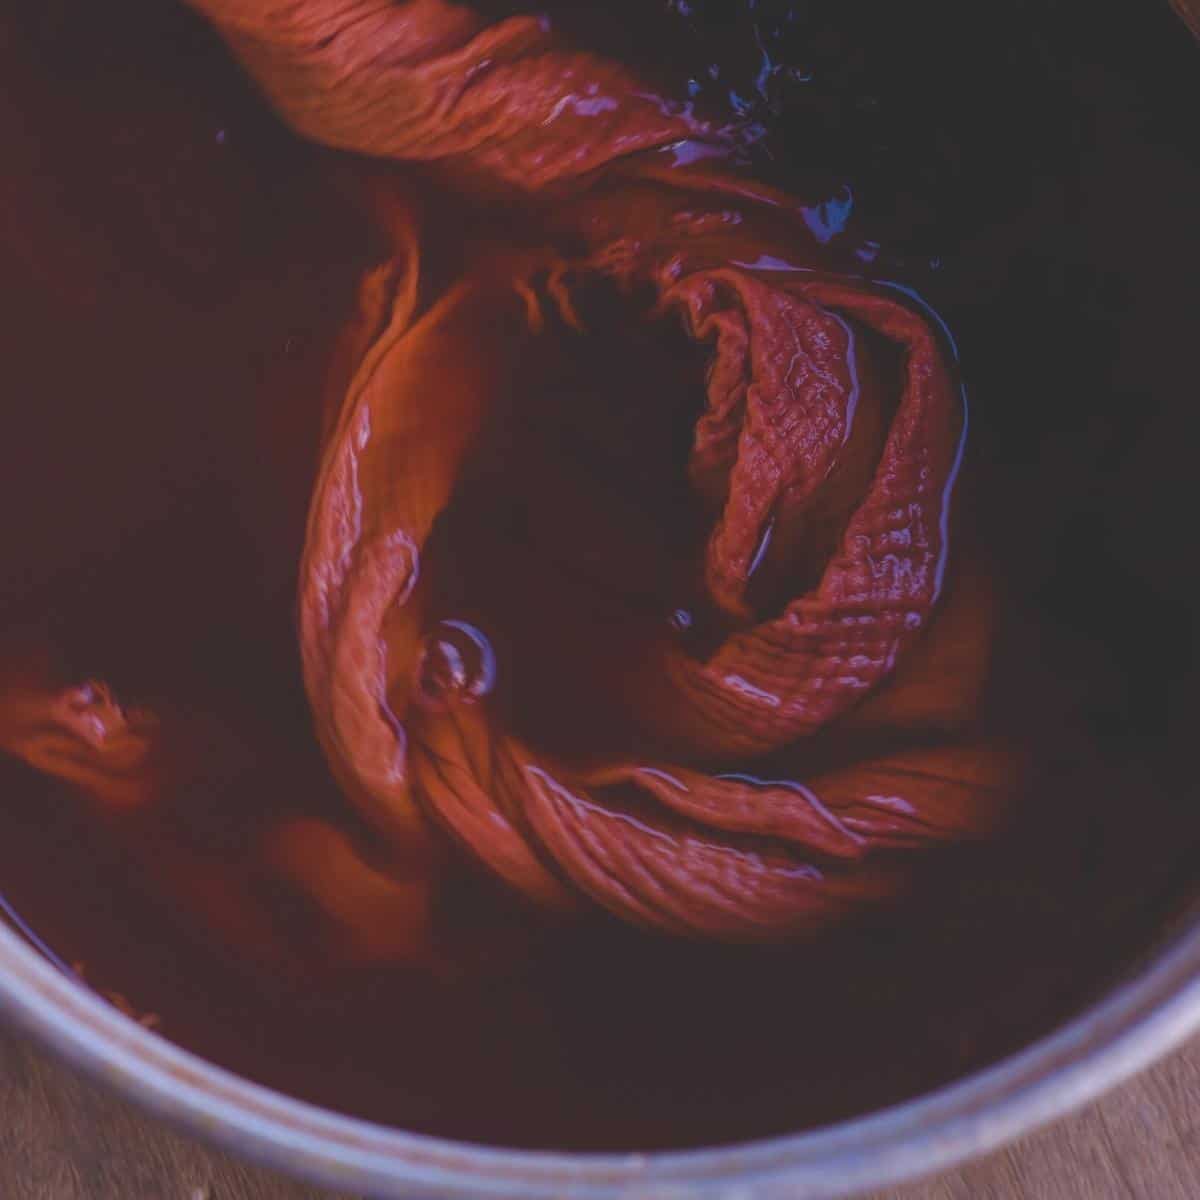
61 1138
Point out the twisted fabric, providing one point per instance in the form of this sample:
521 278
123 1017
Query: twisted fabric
781 446
657 842
806 450
429 81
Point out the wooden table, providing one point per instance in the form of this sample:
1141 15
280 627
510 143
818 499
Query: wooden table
63 1139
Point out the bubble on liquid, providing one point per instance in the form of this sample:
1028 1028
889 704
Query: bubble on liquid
457 663
681 620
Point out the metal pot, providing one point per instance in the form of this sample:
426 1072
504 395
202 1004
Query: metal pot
1149 1012
1142 1018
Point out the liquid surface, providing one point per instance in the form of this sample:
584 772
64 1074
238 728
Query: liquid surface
176 264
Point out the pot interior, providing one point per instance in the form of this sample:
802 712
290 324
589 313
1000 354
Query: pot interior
175 265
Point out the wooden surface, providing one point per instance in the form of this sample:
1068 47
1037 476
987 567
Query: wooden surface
63 1139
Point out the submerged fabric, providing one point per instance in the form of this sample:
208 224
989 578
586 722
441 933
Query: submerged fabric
804 442
654 841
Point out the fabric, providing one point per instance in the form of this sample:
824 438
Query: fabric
830 436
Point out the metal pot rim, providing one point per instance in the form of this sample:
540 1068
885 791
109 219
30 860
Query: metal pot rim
1136 1022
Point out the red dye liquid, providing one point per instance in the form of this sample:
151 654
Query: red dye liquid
176 266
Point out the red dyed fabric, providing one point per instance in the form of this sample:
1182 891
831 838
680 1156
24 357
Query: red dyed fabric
804 441
434 82
779 448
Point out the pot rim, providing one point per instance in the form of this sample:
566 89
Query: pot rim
1139 1020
